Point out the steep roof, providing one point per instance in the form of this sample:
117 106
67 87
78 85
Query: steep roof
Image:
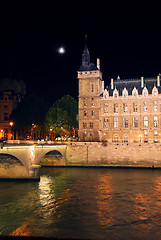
129 84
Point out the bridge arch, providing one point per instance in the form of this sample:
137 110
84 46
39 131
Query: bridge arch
53 156
12 167
6 158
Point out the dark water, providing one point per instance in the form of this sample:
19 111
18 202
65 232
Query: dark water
84 203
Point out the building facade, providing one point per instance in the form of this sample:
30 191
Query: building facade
128 110
11 93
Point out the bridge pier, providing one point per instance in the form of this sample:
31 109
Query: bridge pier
34 172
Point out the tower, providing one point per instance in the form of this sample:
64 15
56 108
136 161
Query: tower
90 89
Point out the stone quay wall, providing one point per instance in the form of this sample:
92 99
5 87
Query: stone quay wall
113 154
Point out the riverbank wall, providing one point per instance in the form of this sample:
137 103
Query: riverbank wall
108 155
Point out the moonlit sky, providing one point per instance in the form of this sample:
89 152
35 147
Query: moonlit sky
127 41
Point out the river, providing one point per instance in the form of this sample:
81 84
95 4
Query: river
84 203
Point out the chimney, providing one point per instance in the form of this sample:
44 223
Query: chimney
142 82
111 83
158 80
98 63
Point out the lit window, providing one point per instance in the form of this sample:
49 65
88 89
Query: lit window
145 92
145 107
125 107
135 107
155 121
155 106
125 138
105 125
115 122
91 125
125 93
134 92
125 122
116 138
115 107
135 122
145 121
92 113
84 125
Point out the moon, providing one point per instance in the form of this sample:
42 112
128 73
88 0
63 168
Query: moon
61 50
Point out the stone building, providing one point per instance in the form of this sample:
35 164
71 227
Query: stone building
11 93
128 110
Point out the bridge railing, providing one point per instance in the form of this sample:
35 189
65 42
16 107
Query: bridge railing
31 142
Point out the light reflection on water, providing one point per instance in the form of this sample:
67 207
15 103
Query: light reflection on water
84 203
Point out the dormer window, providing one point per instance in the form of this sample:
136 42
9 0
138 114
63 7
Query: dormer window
134 92
105 94
155 91
145 92
125 93
115 93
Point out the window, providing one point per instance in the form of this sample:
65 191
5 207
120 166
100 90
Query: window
5 106
125 138
92 102
106 108
5 116
115 122
134 92
84 136
115 107
125 122
145 92
105 119
124 107
135 107
85 103
145 107
92 113
145 121
92 88
135 122
125 93
105 125
155 106
155 121
116 138
84 125
85 113
91 125
90 137
115 93
155 91
106 111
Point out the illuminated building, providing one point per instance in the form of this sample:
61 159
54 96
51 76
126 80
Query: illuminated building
11 93
128 110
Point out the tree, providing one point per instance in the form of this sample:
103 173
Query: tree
62 116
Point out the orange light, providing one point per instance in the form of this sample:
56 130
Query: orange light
11 124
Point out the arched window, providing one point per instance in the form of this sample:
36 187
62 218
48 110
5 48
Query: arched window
134 92
125 93
115 138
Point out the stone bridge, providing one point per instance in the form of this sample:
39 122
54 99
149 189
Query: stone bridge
27 158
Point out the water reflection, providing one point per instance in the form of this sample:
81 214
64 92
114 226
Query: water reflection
84 204
104 198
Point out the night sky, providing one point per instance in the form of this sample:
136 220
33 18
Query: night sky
127 41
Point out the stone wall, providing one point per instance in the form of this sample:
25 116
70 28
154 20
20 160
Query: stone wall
121 154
